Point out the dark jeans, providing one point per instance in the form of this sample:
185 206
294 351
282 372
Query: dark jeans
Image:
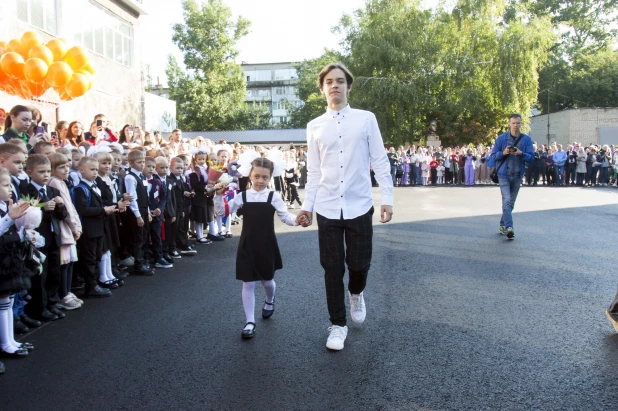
604 175
571 172
509 188
66 277
344 242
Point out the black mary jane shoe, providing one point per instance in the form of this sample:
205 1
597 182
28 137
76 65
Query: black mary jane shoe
27 346
118 281
110 285
20 353
266 314
247 334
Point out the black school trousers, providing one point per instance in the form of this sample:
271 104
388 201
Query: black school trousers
169 244
139 236
344 242
90 251
44 289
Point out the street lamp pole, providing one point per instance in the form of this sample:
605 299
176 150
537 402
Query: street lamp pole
547 117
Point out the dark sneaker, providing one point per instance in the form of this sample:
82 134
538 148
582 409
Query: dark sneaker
175 255
188 251
214 238
510 234
203 240
163 263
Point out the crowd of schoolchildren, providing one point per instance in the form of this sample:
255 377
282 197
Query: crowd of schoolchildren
577 165
111 206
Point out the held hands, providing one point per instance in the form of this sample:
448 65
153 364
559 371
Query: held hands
150 218
155 213
140 222
386 213
18 210
304 218
128 198
59 202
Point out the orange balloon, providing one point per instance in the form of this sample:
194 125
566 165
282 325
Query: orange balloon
29 39
76 58
58 48
35 70
34 90
13 45
89 77
3 44
78 86
59 74
88 67
43 53
12 64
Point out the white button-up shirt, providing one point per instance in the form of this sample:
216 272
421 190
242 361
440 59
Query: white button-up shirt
261 197
341 148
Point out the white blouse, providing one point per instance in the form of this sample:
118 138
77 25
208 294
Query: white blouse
261 197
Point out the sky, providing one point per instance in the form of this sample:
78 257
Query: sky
281 30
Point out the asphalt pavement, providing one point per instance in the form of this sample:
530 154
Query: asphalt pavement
458 318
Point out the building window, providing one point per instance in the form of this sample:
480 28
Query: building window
279 91
39 13
105 34
275 105
263 75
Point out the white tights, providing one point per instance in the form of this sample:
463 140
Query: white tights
248 298
199 230
105 268
7 337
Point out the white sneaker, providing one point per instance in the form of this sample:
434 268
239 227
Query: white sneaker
292 206
128 262
74 297
336 337
67 303
357 307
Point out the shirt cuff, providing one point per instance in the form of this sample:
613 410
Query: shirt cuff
387 200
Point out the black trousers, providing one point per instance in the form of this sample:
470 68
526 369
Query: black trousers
169 244
90 251
182 227
344 242
571 173
139 237
155 244
44 289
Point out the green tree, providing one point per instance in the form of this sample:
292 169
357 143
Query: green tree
466 68
210 90
313 103
585 29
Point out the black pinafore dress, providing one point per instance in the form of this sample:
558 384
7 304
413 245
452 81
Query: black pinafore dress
258 255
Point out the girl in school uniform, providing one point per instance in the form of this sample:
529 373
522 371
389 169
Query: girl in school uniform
70 231
15 275
198 179
258 255
425 171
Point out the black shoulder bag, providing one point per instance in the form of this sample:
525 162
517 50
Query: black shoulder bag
494 174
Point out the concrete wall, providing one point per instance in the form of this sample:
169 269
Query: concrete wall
118 89
581 125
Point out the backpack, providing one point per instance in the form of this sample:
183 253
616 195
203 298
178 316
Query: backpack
86 191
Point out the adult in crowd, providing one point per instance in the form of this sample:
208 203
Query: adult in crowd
343 144
560 158
511 150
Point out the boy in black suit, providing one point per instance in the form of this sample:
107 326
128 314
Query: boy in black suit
91 210
156 202
183 195
44 289
138 217
169 214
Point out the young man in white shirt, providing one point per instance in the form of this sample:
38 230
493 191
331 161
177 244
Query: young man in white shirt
343 144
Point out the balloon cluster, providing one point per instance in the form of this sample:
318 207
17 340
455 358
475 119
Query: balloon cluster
28 68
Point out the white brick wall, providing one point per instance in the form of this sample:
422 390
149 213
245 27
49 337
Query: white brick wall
571 125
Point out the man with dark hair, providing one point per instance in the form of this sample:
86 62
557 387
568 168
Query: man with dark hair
343 144
511 151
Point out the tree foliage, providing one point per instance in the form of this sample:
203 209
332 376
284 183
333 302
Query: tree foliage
465 68
586 32
210 89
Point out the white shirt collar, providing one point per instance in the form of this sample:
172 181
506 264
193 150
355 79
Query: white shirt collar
90 183
38 187
343 112
135 171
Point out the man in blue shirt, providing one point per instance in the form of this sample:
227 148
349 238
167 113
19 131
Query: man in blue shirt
560 158
511 151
